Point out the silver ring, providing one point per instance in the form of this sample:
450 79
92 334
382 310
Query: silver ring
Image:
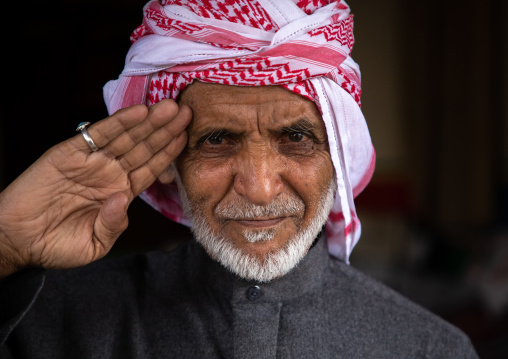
82 127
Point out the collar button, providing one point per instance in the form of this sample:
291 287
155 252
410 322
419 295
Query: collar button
253 293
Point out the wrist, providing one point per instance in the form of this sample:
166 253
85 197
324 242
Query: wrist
10 261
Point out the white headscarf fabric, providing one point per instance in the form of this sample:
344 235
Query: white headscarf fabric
301 45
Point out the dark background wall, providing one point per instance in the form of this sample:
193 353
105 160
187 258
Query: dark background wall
61 53
435 217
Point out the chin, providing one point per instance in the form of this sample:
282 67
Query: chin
262 266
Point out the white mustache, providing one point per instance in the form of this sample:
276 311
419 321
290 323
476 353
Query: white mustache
283 205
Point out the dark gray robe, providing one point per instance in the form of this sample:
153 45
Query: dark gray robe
184 305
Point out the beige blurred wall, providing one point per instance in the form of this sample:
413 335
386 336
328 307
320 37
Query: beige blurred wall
377 34
430 80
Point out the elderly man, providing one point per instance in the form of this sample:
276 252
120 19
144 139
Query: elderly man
268 147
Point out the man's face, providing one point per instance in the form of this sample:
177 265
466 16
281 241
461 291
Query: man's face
257 173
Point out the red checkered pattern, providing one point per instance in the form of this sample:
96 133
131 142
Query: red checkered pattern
244 71
244 12
341 32
240 72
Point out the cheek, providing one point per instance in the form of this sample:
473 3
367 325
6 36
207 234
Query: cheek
312 178
206 182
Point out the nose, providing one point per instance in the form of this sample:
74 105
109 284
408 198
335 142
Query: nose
258 176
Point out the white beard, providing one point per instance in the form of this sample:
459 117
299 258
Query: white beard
274 264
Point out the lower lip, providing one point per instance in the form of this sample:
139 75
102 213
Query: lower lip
261 224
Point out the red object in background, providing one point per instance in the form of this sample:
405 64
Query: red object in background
386 195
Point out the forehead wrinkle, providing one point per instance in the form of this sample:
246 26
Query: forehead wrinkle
273 121
248 109
287 114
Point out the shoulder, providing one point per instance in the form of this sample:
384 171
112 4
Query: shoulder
85 304
382 314
114 282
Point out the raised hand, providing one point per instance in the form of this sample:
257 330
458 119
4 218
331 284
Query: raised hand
69 207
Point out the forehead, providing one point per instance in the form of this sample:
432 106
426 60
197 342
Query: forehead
242 106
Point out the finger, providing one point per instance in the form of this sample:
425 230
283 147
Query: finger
160 115
156 141
145 175
106 130
167 176
111 221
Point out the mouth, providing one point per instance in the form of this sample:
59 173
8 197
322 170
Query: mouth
260 223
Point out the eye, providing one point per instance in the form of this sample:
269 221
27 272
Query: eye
296 136
215 139
220 141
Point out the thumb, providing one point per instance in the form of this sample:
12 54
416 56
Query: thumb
112 219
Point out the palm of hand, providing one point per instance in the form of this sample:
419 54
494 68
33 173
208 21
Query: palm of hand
70 206
81 184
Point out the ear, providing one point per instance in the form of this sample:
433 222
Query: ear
168 175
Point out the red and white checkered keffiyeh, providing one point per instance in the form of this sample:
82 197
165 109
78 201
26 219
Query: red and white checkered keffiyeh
301 45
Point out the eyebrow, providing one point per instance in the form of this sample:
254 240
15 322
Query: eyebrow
303 124
214 131
300 125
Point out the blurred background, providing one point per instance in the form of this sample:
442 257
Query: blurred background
435 88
